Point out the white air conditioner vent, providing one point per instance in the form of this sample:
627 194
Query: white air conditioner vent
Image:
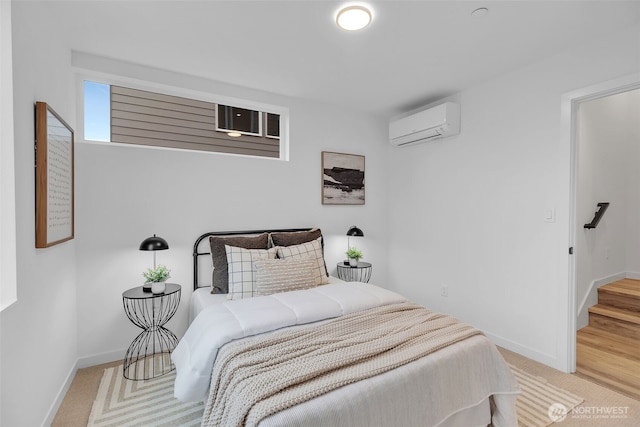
437 122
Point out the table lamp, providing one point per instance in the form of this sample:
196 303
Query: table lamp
352 232
154 243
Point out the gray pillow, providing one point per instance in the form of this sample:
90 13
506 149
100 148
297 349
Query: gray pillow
290 238
220 282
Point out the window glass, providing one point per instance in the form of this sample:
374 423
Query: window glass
97 111
127 115
273 125
238 120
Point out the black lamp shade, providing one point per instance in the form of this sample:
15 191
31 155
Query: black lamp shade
154 243
355 232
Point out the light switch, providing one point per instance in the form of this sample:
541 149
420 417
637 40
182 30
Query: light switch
550 215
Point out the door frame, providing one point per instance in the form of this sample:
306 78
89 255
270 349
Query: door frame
569 108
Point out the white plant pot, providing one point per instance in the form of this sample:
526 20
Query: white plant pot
353 262
158 287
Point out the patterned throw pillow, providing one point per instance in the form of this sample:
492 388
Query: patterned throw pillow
312 250
282 275
240 262
220 275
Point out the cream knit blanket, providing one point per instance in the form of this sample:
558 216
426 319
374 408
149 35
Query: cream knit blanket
258 376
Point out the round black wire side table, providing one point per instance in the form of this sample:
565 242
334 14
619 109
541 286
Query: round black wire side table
149 355
359 273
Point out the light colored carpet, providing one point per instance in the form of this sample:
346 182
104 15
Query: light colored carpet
126 403
76 407
121 402
541 403
600 404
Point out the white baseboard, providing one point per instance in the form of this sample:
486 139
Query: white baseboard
53 410
83 362
545 359
633 275
99 359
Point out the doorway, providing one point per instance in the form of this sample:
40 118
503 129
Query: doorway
587 247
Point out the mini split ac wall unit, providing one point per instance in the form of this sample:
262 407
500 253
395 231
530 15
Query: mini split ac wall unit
432 123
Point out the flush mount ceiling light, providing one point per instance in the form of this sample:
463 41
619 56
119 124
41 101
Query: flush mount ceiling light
480 12
353 18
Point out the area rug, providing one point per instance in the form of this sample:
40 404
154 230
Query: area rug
541 404
124 403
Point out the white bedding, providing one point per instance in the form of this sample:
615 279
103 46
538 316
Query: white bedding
443 389
202 298
220 323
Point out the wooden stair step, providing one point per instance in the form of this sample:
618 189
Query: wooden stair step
610 342
614 371
623 293
616 313
615 320
608 350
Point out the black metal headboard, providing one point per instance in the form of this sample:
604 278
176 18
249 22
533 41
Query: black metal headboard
197 255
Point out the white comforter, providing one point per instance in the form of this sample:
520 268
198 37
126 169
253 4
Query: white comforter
222 323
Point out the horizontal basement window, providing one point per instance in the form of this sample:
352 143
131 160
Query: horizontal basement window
132 116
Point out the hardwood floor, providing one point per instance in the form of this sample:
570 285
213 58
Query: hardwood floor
608 349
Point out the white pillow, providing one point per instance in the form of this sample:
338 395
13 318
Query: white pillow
240 262
282 275
312 250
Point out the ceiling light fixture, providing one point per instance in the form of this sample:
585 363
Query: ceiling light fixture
481 11
234 134
353 18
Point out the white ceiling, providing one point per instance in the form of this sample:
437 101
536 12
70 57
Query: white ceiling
415 52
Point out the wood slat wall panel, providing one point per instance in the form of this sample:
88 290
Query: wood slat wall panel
200 147
161 97
180 137
151 120
117 100
123 124
159 112
148 118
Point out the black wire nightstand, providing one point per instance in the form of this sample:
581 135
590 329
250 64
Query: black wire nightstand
359 273
149 355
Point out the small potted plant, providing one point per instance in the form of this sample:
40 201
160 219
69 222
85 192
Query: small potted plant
157 277
354 256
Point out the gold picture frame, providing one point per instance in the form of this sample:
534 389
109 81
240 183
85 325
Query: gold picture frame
54 176
342 179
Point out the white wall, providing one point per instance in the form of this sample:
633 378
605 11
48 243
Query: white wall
39 337
470 210
8 289
69 310
466 211
125 194
608 156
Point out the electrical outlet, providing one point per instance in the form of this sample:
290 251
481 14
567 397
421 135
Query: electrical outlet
445 290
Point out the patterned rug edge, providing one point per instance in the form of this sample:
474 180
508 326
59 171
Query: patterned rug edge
541 403
125 403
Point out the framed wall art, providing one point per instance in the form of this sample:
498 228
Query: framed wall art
342 179
54 153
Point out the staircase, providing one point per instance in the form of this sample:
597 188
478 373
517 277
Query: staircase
608 349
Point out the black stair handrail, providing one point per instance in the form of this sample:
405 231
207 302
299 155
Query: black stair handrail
602 208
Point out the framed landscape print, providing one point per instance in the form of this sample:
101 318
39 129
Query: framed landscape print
54 178
342 179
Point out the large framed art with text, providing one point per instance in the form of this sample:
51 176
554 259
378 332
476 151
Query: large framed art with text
54 154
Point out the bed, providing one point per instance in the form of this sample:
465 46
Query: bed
323 352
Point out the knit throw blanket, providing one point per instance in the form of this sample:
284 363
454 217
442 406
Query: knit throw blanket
258 376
